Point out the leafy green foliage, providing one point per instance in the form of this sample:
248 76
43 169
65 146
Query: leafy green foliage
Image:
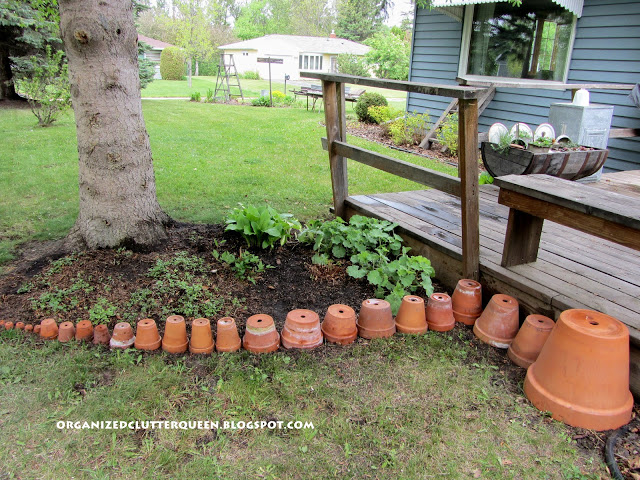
209 97
263 101
195 97
409 129
47 87
383 114
146 68
102 312
262 226
376 253
485 178
448 133
61 299
367 100
250 75
360 19
246 265
172 64
351 64
389 55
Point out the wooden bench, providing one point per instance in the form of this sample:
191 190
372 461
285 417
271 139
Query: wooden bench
534 198
315 93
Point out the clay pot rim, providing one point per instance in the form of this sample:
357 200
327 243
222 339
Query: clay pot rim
229 349
497 342
383 333
350 338
412 330
616 329
291 346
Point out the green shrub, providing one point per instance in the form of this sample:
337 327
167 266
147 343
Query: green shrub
250 76
383 114
246 266
261 102
206 68
196 97
172 64
485 178
409 129
146 68
351 64
367 100
262 226
448 133
209 98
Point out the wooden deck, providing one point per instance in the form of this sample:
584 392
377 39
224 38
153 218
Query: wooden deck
573 270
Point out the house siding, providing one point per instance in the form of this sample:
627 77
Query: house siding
606 50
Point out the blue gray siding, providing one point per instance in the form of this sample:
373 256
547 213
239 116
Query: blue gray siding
606 50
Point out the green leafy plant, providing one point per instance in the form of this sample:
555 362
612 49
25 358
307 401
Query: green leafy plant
61 299
504 143
102 312
262 226
382 114
46 86
485 178
246 265
250 76
409 129
172 64
367 100
448 133
196 97
542 142
351 64
209 97
263 101
146 68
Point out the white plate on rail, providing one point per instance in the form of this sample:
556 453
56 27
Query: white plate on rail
525 131
544 130
496 131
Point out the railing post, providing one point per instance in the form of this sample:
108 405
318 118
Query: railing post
335 119
468 172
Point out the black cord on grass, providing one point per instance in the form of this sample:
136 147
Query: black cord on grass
609 453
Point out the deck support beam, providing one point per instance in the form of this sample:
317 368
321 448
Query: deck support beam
335 116
468 172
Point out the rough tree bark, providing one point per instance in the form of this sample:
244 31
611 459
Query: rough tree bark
118 204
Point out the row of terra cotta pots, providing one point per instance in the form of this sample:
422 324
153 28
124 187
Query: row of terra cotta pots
577 367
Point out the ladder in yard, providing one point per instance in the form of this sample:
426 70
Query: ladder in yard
227 78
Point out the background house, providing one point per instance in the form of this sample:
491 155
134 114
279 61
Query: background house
572 41
154 53
297 52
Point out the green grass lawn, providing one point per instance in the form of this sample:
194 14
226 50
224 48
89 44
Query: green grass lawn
433 406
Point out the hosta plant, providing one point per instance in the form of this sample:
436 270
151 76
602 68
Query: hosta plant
262 226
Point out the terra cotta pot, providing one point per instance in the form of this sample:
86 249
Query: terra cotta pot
66 332
84 331
525 348
375 319
301 330
582 373
147 336
261 335
101 335
28 328
2 322
201 336
439 313
19 325
175 335
48 329
123 336
411 316
467 301
8 325
228 339
498 324
339 325
36 329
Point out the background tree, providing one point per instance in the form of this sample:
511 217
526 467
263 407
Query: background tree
351 64
193 33
389 55
316 18
118 204
360 19
263 17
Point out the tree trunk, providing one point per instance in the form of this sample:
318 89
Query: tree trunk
118 204
197 68
7 90
189 71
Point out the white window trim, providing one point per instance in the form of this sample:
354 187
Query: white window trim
466 42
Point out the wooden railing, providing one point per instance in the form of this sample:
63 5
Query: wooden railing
466 187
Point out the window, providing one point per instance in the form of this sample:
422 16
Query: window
310 62
532 41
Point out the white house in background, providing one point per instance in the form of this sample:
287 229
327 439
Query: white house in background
297 53
154 53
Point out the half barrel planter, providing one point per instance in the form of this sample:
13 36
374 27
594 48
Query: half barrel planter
175 335
66 332
201 337
261 335
101 335
467 301
411 317
84 331
123 336
228 338
147 336
531 337
48 329
301 330
439 313
498 324
339 325
375 319
582 373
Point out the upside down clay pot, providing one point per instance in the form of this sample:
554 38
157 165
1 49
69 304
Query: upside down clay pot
84 331
582 373
525 348
36 329
339 325
66 332
301 330
101 335
28 328
411 316
261 335
498 324
467 301
440 313
2 322
20 326
375 319
8 325
228 338
48 329
175 335
123 336
201 336
147 336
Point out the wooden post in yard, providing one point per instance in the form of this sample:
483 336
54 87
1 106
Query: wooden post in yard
468 171
334 111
